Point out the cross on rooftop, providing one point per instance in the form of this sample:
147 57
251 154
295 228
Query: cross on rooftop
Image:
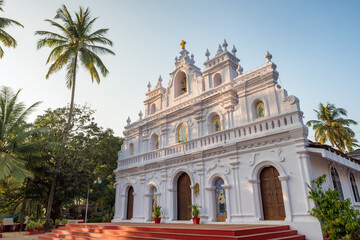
183 44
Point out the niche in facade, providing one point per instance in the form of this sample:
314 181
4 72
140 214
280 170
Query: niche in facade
217 80
181 84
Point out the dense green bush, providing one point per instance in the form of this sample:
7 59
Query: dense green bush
339 219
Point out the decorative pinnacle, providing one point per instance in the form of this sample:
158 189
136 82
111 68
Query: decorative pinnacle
140 114
128 121
225 45
219 51
234 50
268 57
176 59
149 87
239 70
192 57
207 54
159 81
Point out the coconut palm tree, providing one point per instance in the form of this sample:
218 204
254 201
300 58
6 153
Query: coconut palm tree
331 127
14 133
74 44
6 38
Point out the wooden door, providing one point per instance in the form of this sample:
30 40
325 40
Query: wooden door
184 197
271 193
130 203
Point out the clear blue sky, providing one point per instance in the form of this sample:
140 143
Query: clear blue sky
316 45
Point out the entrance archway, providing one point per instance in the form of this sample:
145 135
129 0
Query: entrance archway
271 194
183 197
220 201
130 203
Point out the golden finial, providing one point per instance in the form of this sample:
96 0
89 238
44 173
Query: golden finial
183 44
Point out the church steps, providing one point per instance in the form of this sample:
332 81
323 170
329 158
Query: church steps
212 230
296 237
167 231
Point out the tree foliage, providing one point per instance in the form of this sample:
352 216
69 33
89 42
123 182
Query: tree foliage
331 127
5 37
339 219
14 135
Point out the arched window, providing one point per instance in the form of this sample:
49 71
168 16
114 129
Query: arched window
217 80
153 199
182 133
220 200
217 123
131 149
153 108
354 188
336 182
180 84
260 109
154 142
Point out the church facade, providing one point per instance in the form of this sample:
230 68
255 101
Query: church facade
233 143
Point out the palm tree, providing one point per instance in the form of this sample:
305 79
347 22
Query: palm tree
6 38
74 44
331 127
14 132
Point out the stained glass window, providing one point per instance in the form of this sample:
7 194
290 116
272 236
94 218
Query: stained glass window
354 188
220 198
157 142
217 124
182 133
131 146
260 109
336 182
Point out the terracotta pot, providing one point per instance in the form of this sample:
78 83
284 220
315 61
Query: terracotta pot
157 220
196 220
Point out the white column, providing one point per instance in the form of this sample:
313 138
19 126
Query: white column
228 205
257 200
211 206
123 210
147 208
235 166
306 177
172 210
286 197
117 201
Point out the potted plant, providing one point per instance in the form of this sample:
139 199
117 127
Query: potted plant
157 214
30 226
64 221
57 223
195 212
339 220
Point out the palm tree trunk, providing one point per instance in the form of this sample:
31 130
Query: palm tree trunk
58 164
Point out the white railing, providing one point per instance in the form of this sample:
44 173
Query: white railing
221 138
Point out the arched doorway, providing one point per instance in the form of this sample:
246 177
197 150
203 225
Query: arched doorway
183 197
220 201
130 203
153 201
271 194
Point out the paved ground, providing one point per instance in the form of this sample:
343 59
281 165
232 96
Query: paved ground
18 236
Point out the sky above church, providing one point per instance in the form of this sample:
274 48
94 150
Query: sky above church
316 45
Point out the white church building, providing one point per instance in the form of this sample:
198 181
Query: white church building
232 142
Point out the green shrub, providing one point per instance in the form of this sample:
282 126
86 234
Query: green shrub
195 210
339 219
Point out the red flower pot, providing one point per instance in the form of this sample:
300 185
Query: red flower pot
30 230
196 220
157 220
39 229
